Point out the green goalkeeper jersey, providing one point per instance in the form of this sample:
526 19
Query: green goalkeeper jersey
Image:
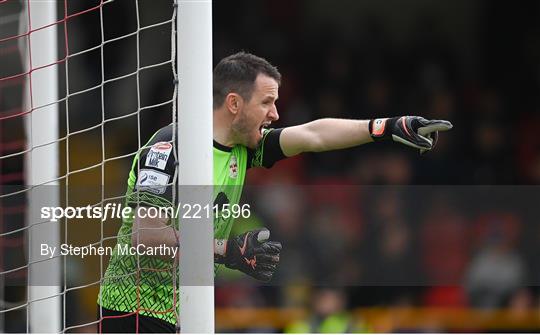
145 283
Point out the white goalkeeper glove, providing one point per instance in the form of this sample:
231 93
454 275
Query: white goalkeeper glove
414 131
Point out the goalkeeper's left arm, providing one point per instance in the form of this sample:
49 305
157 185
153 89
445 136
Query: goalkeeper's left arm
250 252
332 134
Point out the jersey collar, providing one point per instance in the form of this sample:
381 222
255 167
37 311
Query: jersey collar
222 147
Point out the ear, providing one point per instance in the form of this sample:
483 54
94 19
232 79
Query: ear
234 102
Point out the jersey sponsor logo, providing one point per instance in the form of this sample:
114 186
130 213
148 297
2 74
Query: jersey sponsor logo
158 155
153 181
233 167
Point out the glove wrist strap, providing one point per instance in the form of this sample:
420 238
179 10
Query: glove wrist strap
220 250
380 129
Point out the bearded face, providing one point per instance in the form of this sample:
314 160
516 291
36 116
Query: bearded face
256 113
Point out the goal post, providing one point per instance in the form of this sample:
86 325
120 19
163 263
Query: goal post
195 169
42 162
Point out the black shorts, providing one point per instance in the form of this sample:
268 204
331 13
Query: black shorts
123 322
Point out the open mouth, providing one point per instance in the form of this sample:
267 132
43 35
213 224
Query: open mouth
263 126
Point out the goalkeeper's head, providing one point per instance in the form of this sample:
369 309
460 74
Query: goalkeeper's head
245 92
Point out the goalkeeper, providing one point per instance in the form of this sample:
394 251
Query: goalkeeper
137 295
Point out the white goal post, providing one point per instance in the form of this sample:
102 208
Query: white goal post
42 162
194 69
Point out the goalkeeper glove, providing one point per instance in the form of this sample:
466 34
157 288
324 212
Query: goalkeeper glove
414 131
250 253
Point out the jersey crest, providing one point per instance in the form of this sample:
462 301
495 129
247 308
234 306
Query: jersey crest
233 167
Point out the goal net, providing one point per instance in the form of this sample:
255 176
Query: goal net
83 86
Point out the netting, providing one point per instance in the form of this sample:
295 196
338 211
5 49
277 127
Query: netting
115 67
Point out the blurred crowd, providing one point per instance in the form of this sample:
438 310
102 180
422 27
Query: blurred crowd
490 92
454 246
394 246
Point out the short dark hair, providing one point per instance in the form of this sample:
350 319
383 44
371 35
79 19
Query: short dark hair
237 73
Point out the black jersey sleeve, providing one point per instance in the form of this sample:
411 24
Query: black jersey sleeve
268 152
154 170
